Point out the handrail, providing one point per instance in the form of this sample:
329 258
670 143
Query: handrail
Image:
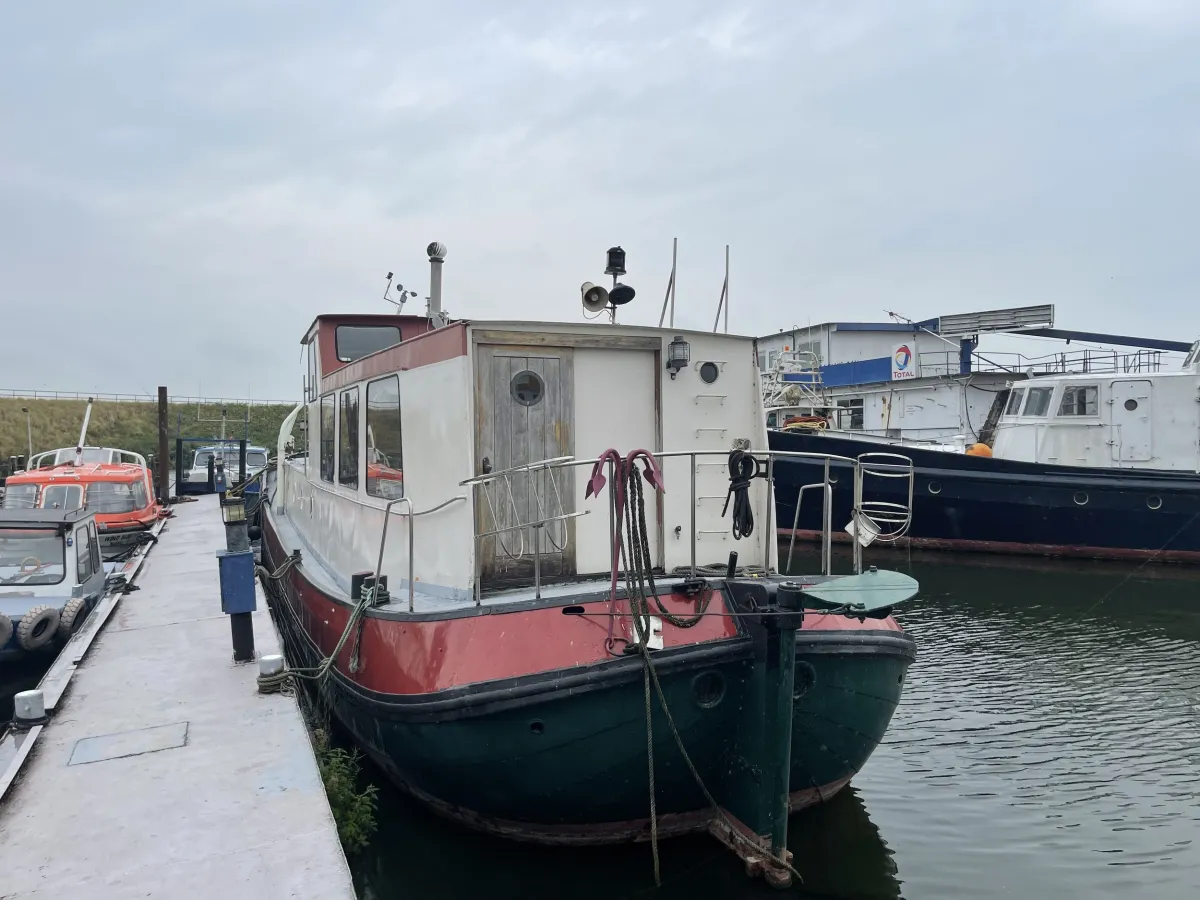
387 515
892 519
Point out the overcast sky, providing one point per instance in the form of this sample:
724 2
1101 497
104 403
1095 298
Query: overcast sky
183 186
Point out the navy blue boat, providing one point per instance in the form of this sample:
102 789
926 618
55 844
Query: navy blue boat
1006 506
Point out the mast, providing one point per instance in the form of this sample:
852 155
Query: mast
87 416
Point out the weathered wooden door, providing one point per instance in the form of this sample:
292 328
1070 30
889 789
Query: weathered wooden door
525 399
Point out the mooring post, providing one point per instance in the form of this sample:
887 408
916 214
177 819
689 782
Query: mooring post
164 478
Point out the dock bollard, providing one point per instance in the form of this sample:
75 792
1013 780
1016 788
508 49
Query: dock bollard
236 565
29 709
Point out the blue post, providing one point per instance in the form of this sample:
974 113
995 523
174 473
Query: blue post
238 599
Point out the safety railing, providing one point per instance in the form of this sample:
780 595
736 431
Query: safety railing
410 515
881 520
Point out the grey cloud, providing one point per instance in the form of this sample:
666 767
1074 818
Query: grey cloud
202 181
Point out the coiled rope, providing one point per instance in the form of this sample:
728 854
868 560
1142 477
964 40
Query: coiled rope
632 551
743 469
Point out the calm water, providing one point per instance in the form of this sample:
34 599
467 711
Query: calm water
1048 745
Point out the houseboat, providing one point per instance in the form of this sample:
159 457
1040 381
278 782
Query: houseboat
51 576
533 567
1090 465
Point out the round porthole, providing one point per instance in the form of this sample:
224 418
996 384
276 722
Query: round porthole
1131 404
935 487
709 372
1081 498
537 726
1154 502
527 388
709 689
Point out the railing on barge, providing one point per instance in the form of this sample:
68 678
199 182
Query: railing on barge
885 521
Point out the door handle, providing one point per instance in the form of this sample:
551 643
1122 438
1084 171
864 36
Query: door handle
486 466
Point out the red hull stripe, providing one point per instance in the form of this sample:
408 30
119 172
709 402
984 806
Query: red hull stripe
1018 547
422 350
421 656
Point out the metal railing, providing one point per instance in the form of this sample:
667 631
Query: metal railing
410 515
138 398
885 521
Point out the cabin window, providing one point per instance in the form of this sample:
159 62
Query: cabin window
62 496
310 389
1038 403
83 555
348 440
850 414
762 362
385 454
772 358
328 414
20 496
356 341
31 556
256 459
1014 402
140 498
111 497
97 563
1079 400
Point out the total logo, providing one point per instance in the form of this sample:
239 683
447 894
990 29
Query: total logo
902 362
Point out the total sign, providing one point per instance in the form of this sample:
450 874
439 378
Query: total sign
904 362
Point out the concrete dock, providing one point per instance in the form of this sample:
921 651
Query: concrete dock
164 773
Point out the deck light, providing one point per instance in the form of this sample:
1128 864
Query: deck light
678 354
616 262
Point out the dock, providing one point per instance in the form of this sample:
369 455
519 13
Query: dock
163 772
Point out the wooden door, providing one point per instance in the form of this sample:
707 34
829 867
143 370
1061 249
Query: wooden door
525 399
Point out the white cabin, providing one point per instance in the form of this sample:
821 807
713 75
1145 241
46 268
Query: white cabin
396 409
1149 421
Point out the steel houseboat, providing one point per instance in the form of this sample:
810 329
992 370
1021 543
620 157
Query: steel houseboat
491 629
1085 465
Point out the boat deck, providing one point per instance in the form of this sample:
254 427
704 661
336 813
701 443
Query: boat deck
164 772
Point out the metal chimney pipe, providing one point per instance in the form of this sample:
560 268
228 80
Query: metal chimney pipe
437 254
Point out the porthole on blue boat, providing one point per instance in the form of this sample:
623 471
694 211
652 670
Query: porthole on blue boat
537 726
1081 498
806 677
709 689
935 487
1154 502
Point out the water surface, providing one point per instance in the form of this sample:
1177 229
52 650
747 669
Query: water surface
1048 745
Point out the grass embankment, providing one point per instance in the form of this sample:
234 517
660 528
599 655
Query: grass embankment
129 426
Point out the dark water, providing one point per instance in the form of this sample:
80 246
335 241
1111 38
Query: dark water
1048 745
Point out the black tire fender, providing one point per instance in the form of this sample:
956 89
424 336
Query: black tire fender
37 627
71 617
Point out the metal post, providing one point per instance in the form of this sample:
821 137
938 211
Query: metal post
674 255
692 458
164 459
178 466
241 627
827 525
241 478
537 561
28 430
857 518
727 289
770 532
412 585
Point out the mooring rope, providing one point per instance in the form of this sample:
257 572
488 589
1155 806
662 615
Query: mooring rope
634 557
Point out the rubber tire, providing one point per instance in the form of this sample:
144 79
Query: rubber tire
71 616
27 637
6 629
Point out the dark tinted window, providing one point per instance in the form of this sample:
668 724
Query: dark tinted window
83 554
356 341
327 432
348 440
385 455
